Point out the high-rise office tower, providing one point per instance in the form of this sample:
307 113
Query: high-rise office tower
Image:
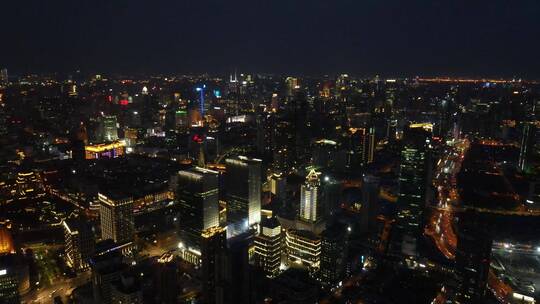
362 146
330 196
167 279
79 242
334 250
310 202
370 206
473 256
116 218
269 246
298 112
303 247
278 185
292 85
4 80
368 143
107 266
130 138
243 193
3 120
239 275
324 153
197 195
528 140
214 265
413 176
109 128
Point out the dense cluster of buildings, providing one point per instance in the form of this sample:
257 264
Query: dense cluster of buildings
260 188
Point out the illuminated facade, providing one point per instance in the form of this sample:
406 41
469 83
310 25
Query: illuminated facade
303 247
361 145
4 79
278 185
116 217
310 204
152 201
243 196
167 279
130 137
6 242
197 196
528 140
14 271
79 244
412 189
107 267
28 184
268 247
334 249
109 128
292 84
112 150
9 283
213 266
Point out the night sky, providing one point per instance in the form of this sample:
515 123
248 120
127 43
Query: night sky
362 37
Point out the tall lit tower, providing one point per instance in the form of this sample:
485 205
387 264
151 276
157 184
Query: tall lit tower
243 185
269 247
197 195
4 80
201 99
79 243
116 217
413 177
109 128
528 139
310 204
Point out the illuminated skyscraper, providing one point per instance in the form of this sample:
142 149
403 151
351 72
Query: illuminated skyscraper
304 248
310 203
107 267
167 279
473 256
292 85
368 145
278 185
361 142
412 190
109 128
79 242
214 265
269 247
116 217
334 250
200 90
4 80
528 140
197 195
243 193
3 119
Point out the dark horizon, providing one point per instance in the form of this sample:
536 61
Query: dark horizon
390 38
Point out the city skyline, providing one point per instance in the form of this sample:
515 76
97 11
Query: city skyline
390 38
265 152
